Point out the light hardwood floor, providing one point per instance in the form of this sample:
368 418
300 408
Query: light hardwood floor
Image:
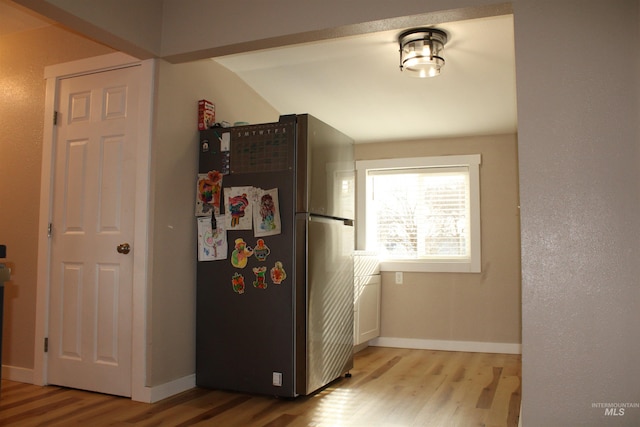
389 387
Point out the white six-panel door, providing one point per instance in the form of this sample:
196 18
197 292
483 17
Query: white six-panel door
93 223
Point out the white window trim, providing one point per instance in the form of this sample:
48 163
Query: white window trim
468 265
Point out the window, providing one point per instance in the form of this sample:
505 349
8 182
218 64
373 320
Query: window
421 214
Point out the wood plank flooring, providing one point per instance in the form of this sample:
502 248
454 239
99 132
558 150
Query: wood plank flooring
389 387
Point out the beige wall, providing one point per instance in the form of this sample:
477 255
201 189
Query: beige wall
23 57
175 166
483 307
133 27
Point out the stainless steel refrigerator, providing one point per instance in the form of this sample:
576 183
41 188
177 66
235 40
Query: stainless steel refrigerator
275 314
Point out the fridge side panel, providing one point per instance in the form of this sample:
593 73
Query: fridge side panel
329 325
302 164
301 239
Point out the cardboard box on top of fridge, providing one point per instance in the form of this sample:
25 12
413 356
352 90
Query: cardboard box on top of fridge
206 114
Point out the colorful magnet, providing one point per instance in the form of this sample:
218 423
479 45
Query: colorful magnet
278 274
260 281
261 251
238 283
240 254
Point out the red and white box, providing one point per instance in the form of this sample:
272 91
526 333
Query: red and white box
206 114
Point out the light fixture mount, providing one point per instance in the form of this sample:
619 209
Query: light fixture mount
421 51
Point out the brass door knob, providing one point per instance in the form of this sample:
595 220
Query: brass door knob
123 248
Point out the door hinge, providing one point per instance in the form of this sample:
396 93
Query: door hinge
46 345
50 229
55 118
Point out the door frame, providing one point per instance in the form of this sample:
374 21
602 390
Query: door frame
53 74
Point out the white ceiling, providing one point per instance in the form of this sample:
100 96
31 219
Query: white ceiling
355 84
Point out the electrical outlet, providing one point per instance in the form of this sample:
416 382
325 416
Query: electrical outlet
399 278
277 379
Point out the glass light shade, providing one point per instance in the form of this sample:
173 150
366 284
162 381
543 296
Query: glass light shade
421 51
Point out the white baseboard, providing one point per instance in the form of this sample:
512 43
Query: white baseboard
445 345
360 347
14 373
157 393
148 394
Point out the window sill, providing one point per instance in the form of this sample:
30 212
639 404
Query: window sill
431 266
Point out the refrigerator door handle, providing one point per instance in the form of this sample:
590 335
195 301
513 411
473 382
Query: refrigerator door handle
316 217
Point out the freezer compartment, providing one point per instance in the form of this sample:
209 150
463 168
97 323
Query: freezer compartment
324 333
325 169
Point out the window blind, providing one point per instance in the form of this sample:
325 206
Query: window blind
421 212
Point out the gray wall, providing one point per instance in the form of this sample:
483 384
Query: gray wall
577 76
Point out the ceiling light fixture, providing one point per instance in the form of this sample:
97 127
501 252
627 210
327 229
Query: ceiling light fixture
421 51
